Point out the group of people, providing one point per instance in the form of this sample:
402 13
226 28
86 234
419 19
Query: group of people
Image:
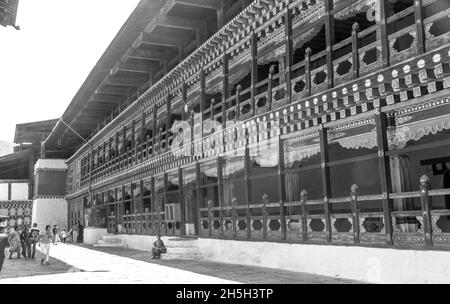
22 239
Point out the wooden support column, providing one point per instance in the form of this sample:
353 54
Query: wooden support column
383 11
281 186
330 40
248 191
182 203
220 190
9 191
384 171
420 31
141 206
202 106
169 109
143 137
162 208
289 53
355 50
153 208
269 86
199 196
326 185
155 132
254 69
303 198
425 203
225 90
354 192
308 71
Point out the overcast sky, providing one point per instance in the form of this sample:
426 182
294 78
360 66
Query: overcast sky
43 65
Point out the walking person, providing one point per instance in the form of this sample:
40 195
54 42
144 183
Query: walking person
33 237
14 243
45 240
23 232
4 243
55 235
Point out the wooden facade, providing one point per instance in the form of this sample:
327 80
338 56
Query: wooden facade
299 121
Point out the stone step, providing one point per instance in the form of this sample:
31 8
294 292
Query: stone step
110 241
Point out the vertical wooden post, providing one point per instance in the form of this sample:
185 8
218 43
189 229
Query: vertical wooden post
169 110
220 190
9 191
383 11
182 203
163 207
254 69
384 171
153 207
326 185
425 203
308 52
281 186
355 50
265 201
289 53
225 90
248 192
155 131
238 101
269 86
420 31
141 205
143 137
234 215
199 196
303 198
330 39
192 132
355 214
202 106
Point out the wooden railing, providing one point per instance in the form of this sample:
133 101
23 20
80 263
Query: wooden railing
298 222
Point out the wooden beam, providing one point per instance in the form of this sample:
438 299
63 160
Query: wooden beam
177 23
145 39
144 55
205 4
122 81
108 98
141 68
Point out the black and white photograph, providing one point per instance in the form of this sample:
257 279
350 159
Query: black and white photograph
202 144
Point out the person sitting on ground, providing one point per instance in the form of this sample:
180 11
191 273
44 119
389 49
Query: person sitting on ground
158 248
14 242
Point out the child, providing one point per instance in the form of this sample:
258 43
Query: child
64 235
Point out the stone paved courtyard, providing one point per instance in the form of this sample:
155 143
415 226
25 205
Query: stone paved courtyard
85 264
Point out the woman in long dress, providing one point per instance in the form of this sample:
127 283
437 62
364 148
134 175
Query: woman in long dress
14 242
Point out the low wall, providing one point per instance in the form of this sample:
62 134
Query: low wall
93 235
374 265
140 242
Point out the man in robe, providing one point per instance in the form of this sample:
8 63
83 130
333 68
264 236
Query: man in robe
158 248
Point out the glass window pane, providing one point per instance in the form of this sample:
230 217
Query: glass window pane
309 180
299 152
266 185
264 158
234 190
208 173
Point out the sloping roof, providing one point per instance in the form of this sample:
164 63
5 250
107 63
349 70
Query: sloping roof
33 131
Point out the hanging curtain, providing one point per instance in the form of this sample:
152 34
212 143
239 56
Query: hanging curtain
401 183
228 193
